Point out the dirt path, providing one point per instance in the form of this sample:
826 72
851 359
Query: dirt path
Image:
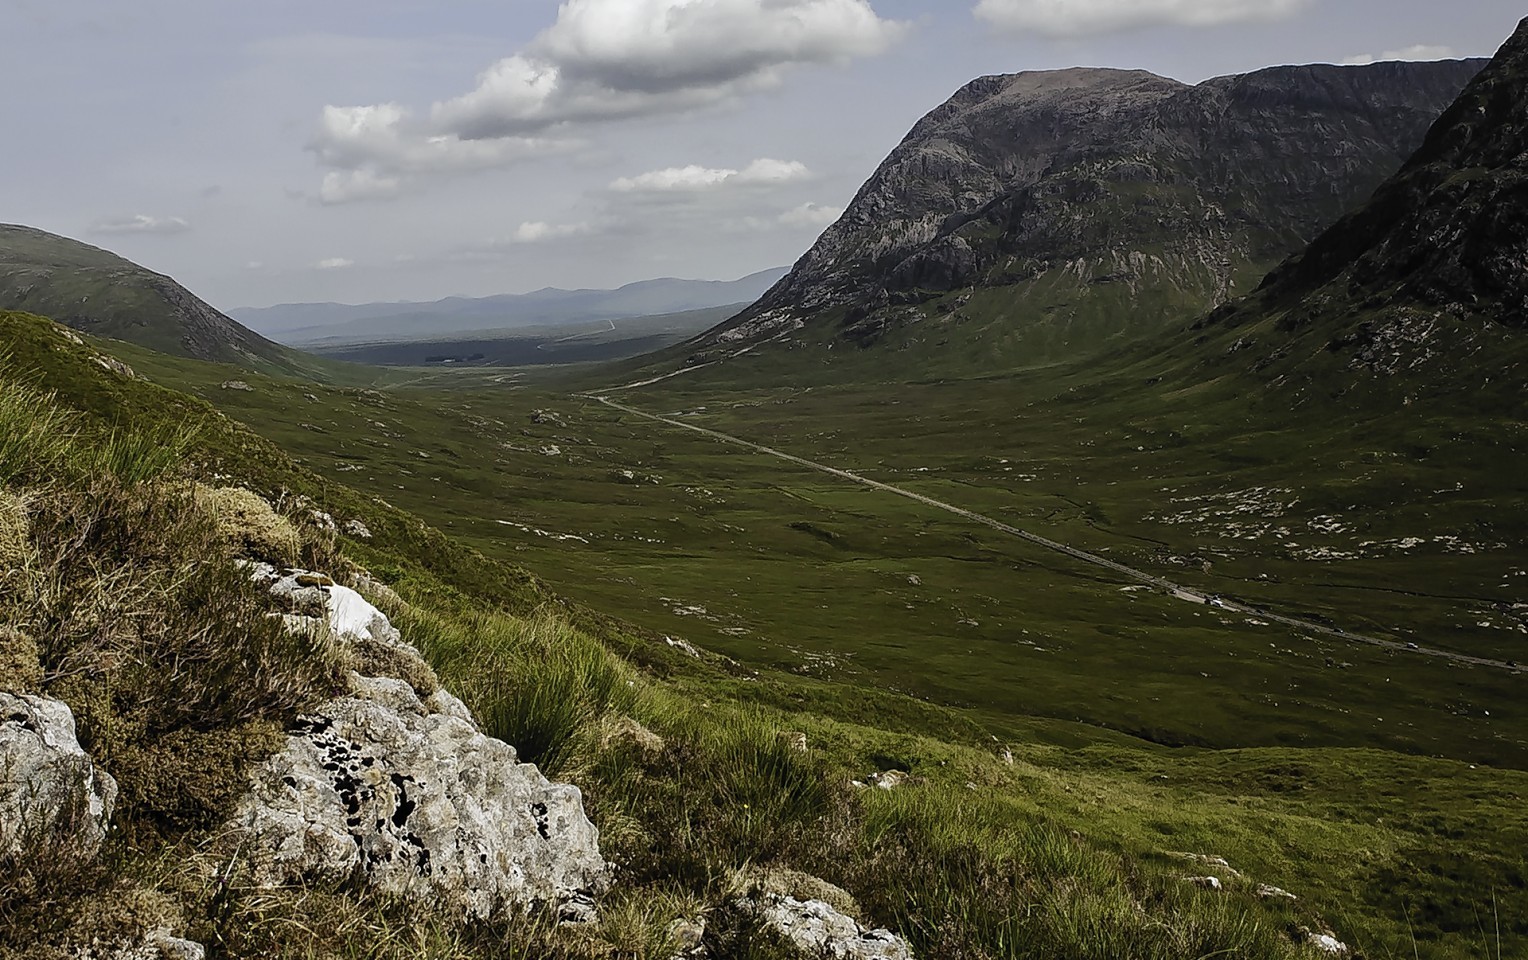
1188 594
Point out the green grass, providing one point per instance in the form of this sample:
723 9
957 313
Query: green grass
1275 777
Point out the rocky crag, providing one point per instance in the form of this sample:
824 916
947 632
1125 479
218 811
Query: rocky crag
1107 179
1428 279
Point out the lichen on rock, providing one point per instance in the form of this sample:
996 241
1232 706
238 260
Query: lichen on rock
410 795
54 802
394 783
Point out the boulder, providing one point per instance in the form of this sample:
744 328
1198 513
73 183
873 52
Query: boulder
157 944
356 528
817 930
412 797
406 792
53 800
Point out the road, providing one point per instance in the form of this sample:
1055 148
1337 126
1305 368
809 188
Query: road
1177 590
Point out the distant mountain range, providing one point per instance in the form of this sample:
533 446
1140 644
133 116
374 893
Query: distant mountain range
1060 210
310 323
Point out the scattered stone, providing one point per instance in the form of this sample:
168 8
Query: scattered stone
1208 883
797 740
548 417
54 802
157 944
683 646
627 730
113 365
890 779
238 385
323 521
379 593
310 397
1218 863
915 580
356 528
1327 943
817 930
1267 892
550 450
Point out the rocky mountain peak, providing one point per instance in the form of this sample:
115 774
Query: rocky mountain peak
1108 177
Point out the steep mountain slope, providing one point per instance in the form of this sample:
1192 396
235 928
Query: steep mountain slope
1090 191
301 323
1422 291
101 293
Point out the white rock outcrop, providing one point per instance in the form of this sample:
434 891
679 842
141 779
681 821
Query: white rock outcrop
53 799
818 930
409 795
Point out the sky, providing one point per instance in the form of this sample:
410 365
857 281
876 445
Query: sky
369 150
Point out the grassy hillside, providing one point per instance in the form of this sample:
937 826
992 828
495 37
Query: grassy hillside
102 294
1307 761
1295 818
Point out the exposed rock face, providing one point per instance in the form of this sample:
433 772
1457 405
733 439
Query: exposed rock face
820 931
53 799
407 793
412 797
1111 177
1451 229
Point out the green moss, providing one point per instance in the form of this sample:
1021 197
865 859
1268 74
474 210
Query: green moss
373 658
20 667
189 780
250 525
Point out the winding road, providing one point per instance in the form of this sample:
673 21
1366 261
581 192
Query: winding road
1179 591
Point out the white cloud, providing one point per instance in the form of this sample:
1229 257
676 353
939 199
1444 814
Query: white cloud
602 60
693 178
611 59
1420 51
374 151
1070 18
141 223
538 231
811 215
335 263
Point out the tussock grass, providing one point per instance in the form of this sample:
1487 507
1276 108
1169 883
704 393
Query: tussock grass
143 456
538 684
36 435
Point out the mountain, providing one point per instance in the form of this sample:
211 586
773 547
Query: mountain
1422 291
1103 202
312 322
100 293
